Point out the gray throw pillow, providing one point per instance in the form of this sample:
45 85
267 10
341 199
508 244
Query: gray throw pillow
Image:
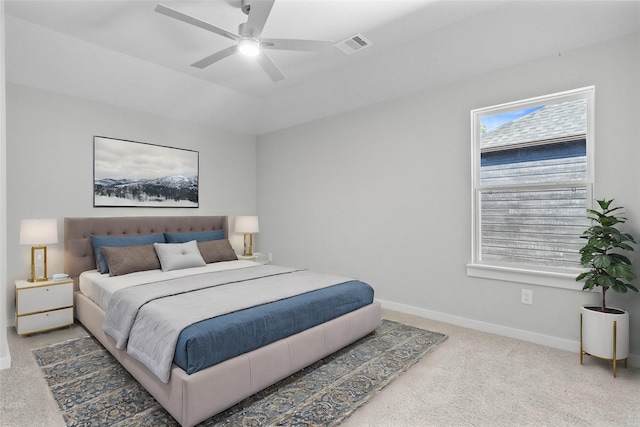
129 259
176 256
216 251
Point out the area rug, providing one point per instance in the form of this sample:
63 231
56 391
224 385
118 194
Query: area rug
92 389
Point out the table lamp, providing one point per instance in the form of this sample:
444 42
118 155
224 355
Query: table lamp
247 225
38 233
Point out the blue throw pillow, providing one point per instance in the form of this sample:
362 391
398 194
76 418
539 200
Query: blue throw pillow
120 241
198 236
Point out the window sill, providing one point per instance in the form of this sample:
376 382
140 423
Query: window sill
554 279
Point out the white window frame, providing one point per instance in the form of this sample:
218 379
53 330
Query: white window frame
554 277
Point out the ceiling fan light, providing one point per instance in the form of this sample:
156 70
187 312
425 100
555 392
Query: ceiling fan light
249 47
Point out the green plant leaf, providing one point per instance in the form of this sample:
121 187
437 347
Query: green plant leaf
594 212
594 230
587 286
604 204
619 259
601 261
581 276
619 287
617 208
605 281
629 238
624 246
623 271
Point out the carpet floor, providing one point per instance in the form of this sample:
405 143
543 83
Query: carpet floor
91 388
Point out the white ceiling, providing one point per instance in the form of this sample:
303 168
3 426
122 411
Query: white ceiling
123 53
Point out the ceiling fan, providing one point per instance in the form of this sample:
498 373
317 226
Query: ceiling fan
248 40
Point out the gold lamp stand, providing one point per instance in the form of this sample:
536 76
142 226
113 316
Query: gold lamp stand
38 264
248 244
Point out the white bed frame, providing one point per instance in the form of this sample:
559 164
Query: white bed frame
191 399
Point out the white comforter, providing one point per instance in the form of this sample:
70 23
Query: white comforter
147 322
100 287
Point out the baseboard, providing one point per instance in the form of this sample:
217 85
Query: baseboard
5 362
546 340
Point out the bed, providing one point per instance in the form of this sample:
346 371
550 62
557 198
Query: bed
193 397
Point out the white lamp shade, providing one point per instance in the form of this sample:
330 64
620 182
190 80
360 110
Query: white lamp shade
247 224
38 231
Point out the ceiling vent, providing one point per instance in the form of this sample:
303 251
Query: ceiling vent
353 44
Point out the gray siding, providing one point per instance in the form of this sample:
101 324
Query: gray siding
537 226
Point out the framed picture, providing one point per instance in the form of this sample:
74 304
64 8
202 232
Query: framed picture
130 174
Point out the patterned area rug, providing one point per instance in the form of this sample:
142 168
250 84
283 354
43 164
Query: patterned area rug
92 389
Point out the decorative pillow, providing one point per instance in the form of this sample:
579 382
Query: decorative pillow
176 256
216 251
129 259
120 241
198 236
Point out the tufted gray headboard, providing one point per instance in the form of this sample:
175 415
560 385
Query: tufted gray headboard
78 251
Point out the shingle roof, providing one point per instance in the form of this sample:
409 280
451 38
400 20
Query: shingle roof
550 122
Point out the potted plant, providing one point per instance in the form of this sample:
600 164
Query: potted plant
604 331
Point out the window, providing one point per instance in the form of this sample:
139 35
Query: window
532 183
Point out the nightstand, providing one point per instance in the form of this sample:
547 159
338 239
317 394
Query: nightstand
41 306
256 257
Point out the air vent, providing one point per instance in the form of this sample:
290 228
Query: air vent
353 44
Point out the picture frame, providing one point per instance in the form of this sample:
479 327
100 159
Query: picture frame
138 174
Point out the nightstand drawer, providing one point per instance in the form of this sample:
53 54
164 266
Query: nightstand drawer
44 298
44 321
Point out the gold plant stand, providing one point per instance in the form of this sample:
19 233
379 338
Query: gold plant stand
614 360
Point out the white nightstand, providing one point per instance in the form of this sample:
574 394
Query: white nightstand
41 306
257 257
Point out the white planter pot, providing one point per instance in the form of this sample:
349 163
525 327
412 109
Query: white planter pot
597 333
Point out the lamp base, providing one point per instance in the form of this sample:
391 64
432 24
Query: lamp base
38 264
248 244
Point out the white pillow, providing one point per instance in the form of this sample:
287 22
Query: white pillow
176 256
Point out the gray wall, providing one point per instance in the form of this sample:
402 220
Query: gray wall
383 194
5 356
50 167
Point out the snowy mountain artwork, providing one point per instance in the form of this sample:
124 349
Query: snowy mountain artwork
128 173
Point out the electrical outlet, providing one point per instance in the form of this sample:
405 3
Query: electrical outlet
527 296
270 257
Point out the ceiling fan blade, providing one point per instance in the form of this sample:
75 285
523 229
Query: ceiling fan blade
258 14
293 44
205 62
269 67
172 13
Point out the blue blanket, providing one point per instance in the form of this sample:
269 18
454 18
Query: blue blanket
215 340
